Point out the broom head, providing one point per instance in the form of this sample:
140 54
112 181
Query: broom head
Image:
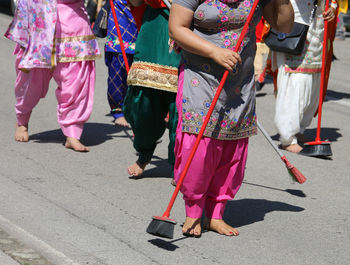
293 171
161 226
317 149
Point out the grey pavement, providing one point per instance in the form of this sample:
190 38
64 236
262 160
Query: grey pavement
5 259
75 208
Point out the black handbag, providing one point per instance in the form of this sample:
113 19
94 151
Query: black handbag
91 7
100 26
292 42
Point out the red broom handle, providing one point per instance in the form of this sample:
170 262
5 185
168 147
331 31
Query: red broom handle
119 36
207 117
323 73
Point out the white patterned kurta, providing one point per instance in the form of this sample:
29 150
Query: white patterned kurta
298 79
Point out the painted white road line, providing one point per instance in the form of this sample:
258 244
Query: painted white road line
33 242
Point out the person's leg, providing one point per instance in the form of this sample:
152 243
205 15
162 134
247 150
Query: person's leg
310 99
229 174
117 85
194 203
172 124
259 65
75 96
144 112
287 110
29 88
197 179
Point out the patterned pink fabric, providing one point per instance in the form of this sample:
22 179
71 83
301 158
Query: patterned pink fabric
34 26
75 40
216 172
74 93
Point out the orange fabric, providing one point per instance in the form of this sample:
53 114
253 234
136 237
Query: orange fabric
137 13
156 3
265 31
261 30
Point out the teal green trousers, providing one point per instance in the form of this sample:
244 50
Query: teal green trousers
145 109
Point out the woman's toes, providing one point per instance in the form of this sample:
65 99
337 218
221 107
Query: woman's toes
219 226
192 227
136 169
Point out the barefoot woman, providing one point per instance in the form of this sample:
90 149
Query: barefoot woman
208 31
54 41
152 87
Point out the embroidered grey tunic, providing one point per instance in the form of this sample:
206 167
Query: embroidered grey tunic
234 114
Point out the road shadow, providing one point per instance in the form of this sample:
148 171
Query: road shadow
244 212
327 134
298 193
275 137
166 244
238 213
335 95
93 134
260 94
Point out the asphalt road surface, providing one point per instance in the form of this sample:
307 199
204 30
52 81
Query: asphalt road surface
64 207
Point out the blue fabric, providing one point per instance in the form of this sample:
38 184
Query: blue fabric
116 81
127 27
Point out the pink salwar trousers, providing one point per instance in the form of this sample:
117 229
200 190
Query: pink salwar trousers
216 172
74 93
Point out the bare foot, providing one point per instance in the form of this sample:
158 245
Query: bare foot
137 169
76 145
294 148
173 182
192 227
219 226
121 121
21 134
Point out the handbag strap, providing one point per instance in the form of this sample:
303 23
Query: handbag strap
313 13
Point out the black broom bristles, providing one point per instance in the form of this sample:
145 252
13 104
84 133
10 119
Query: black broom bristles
161 226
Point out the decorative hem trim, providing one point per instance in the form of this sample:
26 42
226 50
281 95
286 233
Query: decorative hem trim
79 59
153 75
302 70
76 38
152 85
223 136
